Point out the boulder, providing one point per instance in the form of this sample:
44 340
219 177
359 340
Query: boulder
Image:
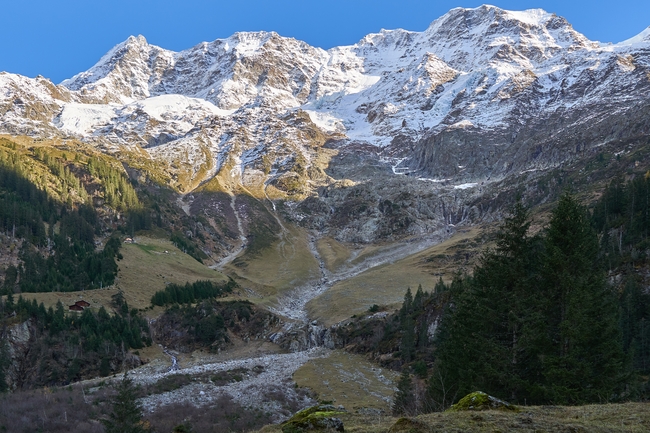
481 401
315 418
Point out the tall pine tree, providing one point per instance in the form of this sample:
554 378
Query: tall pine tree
126 416
486 337
583 357
407 325
404 402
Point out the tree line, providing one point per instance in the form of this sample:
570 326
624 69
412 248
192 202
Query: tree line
67 347
191 292
557 317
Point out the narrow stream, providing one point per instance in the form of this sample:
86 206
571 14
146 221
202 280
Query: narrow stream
242 237
293 305
174 366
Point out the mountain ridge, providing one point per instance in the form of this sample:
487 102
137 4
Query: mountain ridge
481 96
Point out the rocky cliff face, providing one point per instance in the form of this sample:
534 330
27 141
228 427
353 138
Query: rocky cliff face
478 98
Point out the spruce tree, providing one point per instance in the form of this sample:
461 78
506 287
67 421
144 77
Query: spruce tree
404 402
583 359
407 325
126 416
487 333
407 305
408 339
460 346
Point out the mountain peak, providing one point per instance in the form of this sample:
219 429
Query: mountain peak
117 68
535 34
248 43
480 18
138 41
644 36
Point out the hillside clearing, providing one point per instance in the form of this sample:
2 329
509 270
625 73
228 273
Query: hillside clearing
147 265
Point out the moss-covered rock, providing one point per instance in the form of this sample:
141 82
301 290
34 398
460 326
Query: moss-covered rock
315 418
481 401
408 425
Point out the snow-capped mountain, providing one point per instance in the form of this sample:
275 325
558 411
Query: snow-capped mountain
480 94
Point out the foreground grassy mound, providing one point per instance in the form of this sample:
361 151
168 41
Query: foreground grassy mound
408 425
323 417
481 401
611 418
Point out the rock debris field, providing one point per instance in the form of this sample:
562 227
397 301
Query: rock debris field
256 379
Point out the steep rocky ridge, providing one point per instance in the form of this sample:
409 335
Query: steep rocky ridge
481 94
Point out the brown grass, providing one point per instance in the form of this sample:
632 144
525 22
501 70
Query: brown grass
286 264
348 380
610 418
387 284
333 253
144 269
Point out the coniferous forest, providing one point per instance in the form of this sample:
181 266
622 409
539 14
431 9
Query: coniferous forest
537 322
556 317
59 214
63 348
59 251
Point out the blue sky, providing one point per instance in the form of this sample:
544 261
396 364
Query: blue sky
58 39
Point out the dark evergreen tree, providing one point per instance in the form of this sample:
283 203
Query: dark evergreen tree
407 347
404 402
583 358
4 363
126 416
11 277
459 347
418 299
635 323
488 335
407 305
407 325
